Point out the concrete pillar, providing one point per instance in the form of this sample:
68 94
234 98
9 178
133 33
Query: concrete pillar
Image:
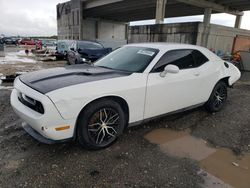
206 27
207 16
238 21
160 11
80 21
96 29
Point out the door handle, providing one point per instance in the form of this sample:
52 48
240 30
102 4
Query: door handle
197 74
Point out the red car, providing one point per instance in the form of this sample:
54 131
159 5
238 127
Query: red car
27 41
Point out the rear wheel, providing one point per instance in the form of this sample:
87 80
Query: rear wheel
100 124
218 97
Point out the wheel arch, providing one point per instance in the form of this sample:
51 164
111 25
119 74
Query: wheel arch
225 80
120 100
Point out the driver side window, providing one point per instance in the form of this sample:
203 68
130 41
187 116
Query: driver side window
181 58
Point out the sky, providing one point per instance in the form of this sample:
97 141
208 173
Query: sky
28 17
38 18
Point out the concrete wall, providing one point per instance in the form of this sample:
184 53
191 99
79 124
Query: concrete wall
63 20
88 30
69 20
72 25
109 33
219 37
103 29
213 36
180 33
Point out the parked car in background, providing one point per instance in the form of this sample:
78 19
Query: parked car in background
138 82
86 52
62 48
28 41
10 41
49 43
1 47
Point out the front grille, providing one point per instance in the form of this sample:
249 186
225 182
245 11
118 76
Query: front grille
31 103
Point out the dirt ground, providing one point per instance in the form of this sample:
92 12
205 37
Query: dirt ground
132 161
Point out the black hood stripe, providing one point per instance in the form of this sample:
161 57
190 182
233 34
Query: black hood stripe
45 81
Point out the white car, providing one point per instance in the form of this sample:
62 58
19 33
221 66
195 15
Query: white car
138 82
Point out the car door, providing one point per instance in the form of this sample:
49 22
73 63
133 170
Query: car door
174 91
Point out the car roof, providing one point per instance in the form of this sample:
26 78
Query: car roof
87 41
165 46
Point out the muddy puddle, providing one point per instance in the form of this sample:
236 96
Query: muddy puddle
228 167
220 166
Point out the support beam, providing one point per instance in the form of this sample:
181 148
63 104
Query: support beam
160 11
238 22
97 3
207 16
215 6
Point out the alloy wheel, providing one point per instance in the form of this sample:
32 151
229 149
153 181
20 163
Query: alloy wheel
220 96
103 126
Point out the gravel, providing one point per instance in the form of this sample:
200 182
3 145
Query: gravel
131 162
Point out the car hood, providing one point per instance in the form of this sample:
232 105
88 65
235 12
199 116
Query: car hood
94 53
45 81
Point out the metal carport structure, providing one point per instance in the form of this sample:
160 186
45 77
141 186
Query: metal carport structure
133 10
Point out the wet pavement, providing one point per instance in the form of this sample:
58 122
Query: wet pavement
15 60
222 168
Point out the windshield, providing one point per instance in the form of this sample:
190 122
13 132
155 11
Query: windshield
89 45
128 58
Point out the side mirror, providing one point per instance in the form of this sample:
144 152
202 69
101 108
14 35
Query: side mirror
173 69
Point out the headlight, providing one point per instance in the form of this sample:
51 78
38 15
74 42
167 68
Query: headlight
31 103
86 60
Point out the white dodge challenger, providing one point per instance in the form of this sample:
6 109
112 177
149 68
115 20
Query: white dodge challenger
95 103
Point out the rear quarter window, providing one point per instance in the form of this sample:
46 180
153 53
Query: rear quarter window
199 58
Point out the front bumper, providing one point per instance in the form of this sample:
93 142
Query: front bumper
45 124
36 135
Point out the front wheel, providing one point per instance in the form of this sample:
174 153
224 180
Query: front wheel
218 97
100 124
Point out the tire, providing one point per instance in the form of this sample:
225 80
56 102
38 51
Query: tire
100 124
68 61
217 98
